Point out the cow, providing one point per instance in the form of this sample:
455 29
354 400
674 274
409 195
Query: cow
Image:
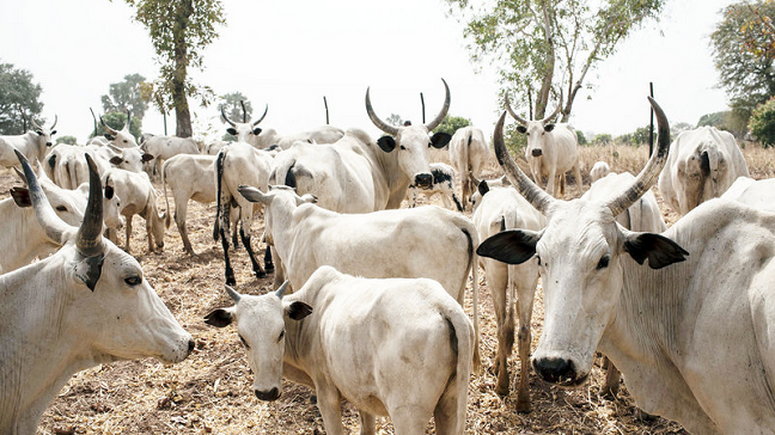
237 164
305 237
599 170
395 347
131 159
500 209
443 184
759 194
121 138
66 166
138 196
691 333
320 135
212 148
356 175
87 304
551 151
34 144
703 163
468 154
165 147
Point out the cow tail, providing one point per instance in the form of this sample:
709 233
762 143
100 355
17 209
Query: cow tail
218 185
166 199
473 242
462 342
72 175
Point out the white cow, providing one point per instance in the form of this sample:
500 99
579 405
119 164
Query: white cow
212 148
121 138
320 135
551 151
88 304
599 170
703 163
34 144
235 165
417 367
356 175
694 341
138 196
165 147
66 164
501 209
759 194
468 154
443 184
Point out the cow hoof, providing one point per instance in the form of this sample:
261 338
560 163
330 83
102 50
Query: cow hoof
502 390
260 274
231 281
523 406
313 399
269 268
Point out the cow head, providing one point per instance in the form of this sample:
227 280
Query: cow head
111 205
111 308
120 138
536 130
581 254
67 204
131 159
261 323
44 134
411 142
699 174
484 186
245 131
280 202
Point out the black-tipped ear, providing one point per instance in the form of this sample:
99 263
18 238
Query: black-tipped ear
440 140
483 187
116 160
89 270
21 196
705 163
522 129
548 127
257 131
298 310
147 157
219 318
52 133
387 143
52 161
510 247
109 136
659 250
231 131
109 192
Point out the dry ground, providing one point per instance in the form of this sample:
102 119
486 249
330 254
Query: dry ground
210 392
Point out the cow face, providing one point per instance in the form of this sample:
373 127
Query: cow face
44 134
261 323
538 133
245 132
130 159
411 145
699 175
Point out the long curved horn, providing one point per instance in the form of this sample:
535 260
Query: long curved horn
128 124
382 125
244 112
88 241
555 113
654 166
444 109
513 114
233 294
534 194
226 118
281 291
266 109
56 118
107 127
47 218
35 124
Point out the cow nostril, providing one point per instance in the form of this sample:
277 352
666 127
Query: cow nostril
191 345
537 152
555 370
272 394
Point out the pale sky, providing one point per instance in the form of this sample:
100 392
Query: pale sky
290 53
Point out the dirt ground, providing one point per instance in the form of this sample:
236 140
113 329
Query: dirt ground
210 392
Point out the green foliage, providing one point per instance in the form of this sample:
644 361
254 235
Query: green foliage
228 138
581 138
602 139
762 123
117 120
231 105
744 52
638 137
69 140
727 120
19 99
514 140
532 41
451 124
127 94
394 119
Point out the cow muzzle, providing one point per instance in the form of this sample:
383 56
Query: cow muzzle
536 152
559 371
268 396
424 181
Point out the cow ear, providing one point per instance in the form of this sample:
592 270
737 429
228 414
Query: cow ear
298 310
89 269
219 317
257 131
147 157
52 161
387 143
109 192
548 127
116 160
659 250
21 196
109 136
483 187
52 133
440 140
510 247
522 129
231 131
308 198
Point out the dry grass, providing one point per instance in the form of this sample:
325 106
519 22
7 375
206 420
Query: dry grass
210 392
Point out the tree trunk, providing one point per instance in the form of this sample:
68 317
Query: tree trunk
542 99
179 100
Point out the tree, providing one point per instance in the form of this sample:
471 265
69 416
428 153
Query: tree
532 42
602 139
581 138
132 94
180 30
451 124
232 106
394 119
727 120
762 123
19 99
69 140
744 52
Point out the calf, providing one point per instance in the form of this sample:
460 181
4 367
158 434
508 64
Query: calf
468 153
599 170
165 147
138 196
332 335
443 184
33 145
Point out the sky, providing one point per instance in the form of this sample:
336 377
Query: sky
289 54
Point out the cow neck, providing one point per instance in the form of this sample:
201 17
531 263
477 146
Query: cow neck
390 176
20 222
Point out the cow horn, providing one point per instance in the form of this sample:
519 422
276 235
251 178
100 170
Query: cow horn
107 127
534 194
513 114
266 109
555 113
389 129
51 223
56 118
244 112
444 109
281 290
35 124
233 293
654 166
128 124
226 118
88 241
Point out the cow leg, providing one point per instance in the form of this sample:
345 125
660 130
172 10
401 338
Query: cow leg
552 183
224 230
257 269
128 232
525 287
445 414
561 182
577 174
612 377
180 222
148 231
268 265
368 423
458 204
504 318
329 404
279 273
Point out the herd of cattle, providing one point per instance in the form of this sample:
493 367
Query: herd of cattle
369 299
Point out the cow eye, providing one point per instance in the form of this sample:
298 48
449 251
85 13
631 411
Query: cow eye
402 147
244 343
282 334
603 263
126 141
61 208
133 280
